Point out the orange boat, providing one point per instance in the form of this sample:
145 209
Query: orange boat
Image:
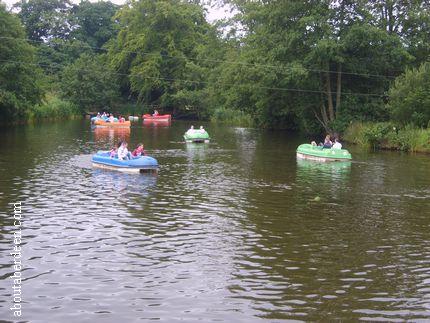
101 123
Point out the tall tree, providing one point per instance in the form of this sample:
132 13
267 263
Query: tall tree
162 48
19 74
93 23
89 83
45 19
322 58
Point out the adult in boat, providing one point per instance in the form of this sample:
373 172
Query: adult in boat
155 113
139 151
121 119
111 118
123 153
202 130
337 144
191 130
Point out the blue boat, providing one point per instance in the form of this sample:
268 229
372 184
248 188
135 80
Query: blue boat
143 164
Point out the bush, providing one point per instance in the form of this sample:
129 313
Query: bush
55 108
389 136
409 100
232 117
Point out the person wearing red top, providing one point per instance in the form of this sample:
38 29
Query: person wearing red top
139 151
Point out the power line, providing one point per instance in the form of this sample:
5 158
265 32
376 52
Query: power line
206 82
214 60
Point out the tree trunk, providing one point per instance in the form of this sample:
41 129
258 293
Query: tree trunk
338 88
329 97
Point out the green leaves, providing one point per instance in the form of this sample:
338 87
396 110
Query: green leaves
158 48
89 83
410 97
19 74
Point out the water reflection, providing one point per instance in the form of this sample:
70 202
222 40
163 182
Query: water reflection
111 135
156 123
309 170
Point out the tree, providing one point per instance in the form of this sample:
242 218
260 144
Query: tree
162 48
45 19
409 97
89 83
93 22
309 62
19 74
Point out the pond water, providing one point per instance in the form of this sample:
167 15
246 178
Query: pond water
236 230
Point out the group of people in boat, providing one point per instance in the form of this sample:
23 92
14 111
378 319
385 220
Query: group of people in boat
328 143
192 130
122 153
109 117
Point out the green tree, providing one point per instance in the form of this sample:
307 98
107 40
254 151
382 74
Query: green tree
306 63
164 47
93 22
45 19
409 97
19 74
89 83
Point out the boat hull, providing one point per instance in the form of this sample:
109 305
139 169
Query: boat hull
161 117
307 151
101 123
196 136
144 164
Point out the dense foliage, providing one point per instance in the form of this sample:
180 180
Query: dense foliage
309 65
19 75
89 83
159 50
410 97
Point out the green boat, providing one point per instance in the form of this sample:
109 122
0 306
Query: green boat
198 135
308 151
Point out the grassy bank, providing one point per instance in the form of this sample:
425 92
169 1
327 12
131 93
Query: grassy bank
231 117
386 135
53 108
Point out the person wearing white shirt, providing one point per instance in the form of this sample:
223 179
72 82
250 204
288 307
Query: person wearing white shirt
337 144
123 153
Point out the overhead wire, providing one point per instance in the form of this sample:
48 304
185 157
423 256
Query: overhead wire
277 67
141 74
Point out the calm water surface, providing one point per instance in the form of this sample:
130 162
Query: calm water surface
236 230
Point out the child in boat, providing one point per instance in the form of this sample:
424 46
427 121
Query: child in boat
111 118
327 142
123 153
121 119
113 152
155 113
139 151
337 144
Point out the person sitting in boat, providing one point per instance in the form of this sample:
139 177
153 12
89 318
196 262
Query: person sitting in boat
111 118
121 119
123 153
202 130
191 130
155 113
113 152
337 144
327 142
313 143
139 151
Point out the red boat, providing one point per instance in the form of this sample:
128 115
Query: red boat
159 117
